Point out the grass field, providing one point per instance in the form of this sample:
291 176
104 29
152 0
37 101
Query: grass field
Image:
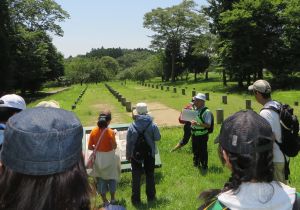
178 182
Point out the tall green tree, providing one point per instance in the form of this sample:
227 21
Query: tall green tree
174 26
6 30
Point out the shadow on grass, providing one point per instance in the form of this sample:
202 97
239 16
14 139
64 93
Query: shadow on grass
212 170
152 204
31 97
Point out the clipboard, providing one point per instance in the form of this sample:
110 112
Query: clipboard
188 115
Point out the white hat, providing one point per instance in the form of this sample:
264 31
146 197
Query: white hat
261 86
200 96
12 101
51 103
141 108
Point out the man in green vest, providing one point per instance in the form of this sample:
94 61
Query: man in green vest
200 128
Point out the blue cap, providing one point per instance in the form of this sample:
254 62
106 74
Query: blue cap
42 141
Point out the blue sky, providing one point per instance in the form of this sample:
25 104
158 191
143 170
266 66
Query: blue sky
107 23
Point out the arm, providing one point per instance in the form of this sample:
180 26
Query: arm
91 144
156 133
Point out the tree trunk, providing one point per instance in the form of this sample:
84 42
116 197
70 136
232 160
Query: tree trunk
195 76
240 81
260 74
224 77
206 75
173 68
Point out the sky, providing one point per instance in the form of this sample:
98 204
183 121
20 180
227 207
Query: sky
107 23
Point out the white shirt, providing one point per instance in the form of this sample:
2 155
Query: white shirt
273 118
259 196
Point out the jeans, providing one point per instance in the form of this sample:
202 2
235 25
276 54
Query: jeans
137 171
106 185
200 150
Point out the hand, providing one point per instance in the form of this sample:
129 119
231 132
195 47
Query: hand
194 122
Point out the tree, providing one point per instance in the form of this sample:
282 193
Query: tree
5 42
38 15
174 26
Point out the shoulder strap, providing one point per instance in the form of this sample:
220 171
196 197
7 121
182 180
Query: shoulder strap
100 138
296 205
202 112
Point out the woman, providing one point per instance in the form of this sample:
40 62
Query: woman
42 162
107 165
245 147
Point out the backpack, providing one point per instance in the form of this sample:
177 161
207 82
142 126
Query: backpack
141 148
289 123
211 129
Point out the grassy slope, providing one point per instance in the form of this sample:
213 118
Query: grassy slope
178 182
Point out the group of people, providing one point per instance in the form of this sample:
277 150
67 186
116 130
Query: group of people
42 166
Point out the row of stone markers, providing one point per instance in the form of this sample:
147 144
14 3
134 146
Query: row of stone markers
79 97
219 112
120 98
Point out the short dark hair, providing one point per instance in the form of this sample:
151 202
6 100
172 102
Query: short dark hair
7 112
264 95
104 118
67 190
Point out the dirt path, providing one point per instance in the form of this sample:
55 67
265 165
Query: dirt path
163 115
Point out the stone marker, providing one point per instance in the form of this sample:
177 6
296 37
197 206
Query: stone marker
220 116
128 106
224 99
248 104
207 96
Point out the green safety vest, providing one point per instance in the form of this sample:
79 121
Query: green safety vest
197 130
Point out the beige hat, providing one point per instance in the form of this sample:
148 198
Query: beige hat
51 103
261 86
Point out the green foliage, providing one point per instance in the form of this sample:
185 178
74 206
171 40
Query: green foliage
29 56
256 35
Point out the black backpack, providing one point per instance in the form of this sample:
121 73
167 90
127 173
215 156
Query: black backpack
211 129
141 148
289 123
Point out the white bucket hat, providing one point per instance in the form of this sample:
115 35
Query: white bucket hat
140 109
200 96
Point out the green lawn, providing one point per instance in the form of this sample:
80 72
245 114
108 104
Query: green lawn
178 182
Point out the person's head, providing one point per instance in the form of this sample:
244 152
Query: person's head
261 90
51 103
104 119
42 161
9 105
246 147
141 109
199 100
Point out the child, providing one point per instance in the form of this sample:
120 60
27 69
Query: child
107 166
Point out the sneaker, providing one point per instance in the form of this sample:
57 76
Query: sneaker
113 202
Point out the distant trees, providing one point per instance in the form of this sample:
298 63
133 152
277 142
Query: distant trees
29 58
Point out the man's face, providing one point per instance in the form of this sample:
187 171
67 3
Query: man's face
199 103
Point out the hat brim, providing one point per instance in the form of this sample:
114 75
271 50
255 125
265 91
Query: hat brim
202 99
251 88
